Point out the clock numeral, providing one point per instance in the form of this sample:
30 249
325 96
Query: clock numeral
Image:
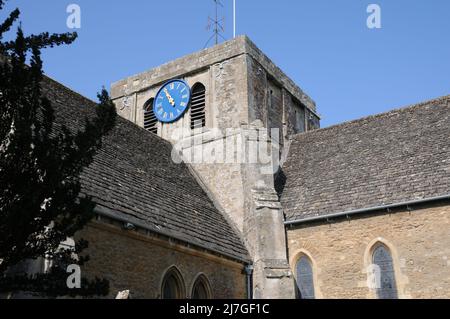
172 86
183 104
184 89
171 116
185 96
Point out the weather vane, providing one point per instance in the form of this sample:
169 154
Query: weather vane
216 24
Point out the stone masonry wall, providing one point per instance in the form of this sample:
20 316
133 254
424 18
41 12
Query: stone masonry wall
241 80
136 262
419 242
229 93
238 78
257 83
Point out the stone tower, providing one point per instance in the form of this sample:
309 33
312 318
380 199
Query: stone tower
242 95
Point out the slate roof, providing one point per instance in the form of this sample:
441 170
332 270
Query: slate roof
399 156
134 176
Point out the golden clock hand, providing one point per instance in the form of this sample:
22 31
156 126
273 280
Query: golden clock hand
169 97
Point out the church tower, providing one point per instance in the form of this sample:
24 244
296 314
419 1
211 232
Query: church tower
238 99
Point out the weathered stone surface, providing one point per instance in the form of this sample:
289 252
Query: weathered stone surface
236 76
202 60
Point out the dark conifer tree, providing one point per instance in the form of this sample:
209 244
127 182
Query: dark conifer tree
40 166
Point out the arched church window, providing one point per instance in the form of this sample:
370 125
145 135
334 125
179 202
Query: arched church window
201 289
305 279
172 285
198 106
150 121
382 259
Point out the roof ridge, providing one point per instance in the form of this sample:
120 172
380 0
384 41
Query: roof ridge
376 116
66 88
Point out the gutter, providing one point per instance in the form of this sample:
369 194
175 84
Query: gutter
103 211
365 210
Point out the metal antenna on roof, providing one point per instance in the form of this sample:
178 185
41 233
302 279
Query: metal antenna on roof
216 24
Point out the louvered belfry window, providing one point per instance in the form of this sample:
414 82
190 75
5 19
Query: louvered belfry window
198 105
150 121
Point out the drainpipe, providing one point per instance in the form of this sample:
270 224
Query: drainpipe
249 273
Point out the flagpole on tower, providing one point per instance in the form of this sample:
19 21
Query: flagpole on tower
234 18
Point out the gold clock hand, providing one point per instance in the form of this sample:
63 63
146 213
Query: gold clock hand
169 97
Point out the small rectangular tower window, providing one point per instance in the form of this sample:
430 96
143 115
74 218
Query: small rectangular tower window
299 124
150 120
198 106
313 121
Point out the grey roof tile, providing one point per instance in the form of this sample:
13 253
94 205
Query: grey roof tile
394 157
134 176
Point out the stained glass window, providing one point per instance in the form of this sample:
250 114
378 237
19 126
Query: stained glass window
387 287
305 279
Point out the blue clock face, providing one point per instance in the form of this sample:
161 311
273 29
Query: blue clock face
172 101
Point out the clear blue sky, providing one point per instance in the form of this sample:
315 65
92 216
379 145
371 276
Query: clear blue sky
323 45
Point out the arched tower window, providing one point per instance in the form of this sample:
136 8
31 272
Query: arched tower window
150 121
382 260
201 289
173 285
305 278
198 106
